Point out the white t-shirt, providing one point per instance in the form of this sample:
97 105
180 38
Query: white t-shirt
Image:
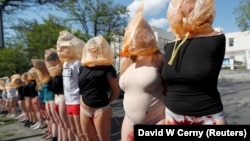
12 92
70 82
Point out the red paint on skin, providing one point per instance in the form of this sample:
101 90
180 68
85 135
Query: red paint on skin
130 136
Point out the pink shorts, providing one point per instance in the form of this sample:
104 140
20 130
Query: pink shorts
73 109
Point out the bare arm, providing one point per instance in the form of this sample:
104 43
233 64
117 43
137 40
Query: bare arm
115 91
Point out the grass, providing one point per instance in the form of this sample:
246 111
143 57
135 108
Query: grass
5 135
4 121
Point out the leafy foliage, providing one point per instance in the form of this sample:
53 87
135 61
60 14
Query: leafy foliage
243 15
83 18
31 41
96 17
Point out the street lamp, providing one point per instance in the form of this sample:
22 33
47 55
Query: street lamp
1 27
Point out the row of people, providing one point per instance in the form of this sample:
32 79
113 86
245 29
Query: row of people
177 87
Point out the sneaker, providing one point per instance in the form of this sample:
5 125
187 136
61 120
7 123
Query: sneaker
32 126
38 126
32 123
12 116
54 139
26 123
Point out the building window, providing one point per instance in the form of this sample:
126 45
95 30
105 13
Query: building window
231 42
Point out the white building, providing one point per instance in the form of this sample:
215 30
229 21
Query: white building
162 37
238 49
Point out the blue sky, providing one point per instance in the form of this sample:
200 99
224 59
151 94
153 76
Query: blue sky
155 12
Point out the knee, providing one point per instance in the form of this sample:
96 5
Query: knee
73 129
80 135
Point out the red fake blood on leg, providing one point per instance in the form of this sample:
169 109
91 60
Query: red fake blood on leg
130 136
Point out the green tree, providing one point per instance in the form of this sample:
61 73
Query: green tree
36 37
243 15
96 17
10 10
30 42
12 61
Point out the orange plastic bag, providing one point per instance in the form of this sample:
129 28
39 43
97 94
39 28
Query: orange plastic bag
97 52
194 17
69 47
139 38
41 70
53 62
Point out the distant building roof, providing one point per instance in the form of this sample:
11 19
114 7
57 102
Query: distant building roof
163 33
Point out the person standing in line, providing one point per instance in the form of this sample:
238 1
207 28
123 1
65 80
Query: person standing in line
41 98
140 77
54 67
25 91
69 50
33 93
4 94
32 76
98 89
193 63
28 100
12 98
18 83
46 86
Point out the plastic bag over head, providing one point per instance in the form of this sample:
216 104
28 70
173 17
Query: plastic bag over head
53 62
139 38
97 52
41 70
8 84
32 74
16 80
69 47
24 77
191 17
3 81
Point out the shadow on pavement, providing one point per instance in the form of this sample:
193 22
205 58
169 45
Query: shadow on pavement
22 138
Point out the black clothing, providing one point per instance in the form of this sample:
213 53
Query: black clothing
26 91
32 87
192 78
29 90
20 95
94 86
57 85
1 91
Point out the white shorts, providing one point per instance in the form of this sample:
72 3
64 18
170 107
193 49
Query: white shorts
176 119
93 111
